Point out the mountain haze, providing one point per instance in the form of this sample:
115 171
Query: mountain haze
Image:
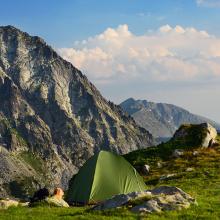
52 119
161 119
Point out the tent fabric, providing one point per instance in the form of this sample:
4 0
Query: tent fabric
103 176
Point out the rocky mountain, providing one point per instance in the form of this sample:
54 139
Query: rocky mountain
161 119
52 119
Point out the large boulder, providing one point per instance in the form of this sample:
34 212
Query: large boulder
122 199
159 199
196 135
211 135
174 201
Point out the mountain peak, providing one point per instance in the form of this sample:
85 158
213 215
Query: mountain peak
129 100
49 108
9 27
161 119
10 31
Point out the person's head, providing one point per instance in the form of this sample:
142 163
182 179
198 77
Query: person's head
58 192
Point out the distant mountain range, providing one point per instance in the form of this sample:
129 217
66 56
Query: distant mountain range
161 119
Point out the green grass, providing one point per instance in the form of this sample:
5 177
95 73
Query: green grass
33 160
203 183
45 213
13 131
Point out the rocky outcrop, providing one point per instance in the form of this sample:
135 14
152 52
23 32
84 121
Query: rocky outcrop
211 135
163 198
52 119
161 119
198 135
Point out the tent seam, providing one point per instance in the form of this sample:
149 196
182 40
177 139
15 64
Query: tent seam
94 176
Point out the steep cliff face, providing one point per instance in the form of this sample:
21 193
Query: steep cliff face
50 112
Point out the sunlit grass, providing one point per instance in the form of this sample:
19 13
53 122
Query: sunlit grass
203 183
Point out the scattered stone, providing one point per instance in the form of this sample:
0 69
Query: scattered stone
195 153
159 165
190 169
24 204
178 153
146 169
6 203
157 200
167 176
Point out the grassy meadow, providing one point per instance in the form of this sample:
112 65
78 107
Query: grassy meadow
202 182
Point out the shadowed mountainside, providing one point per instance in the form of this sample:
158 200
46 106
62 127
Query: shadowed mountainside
161 119
52 119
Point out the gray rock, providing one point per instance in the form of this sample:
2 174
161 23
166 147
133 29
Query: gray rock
149 207
167 176
211 135
170 190
156 200
195 153
159 165
49 111
120 200
163 203
190 169
178 153
198 135
146 169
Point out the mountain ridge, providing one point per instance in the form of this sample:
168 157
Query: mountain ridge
161 119
49 110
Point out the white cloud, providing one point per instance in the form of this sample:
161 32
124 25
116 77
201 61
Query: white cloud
167 54
208 3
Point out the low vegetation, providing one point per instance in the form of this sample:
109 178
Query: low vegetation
33 160
196 172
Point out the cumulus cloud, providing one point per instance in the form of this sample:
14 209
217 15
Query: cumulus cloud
169 54
208 3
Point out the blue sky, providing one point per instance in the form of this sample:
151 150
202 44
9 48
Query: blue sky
160 50
62 22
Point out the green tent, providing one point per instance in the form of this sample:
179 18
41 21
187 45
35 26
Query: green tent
102 176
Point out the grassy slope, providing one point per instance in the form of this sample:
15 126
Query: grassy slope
203 183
